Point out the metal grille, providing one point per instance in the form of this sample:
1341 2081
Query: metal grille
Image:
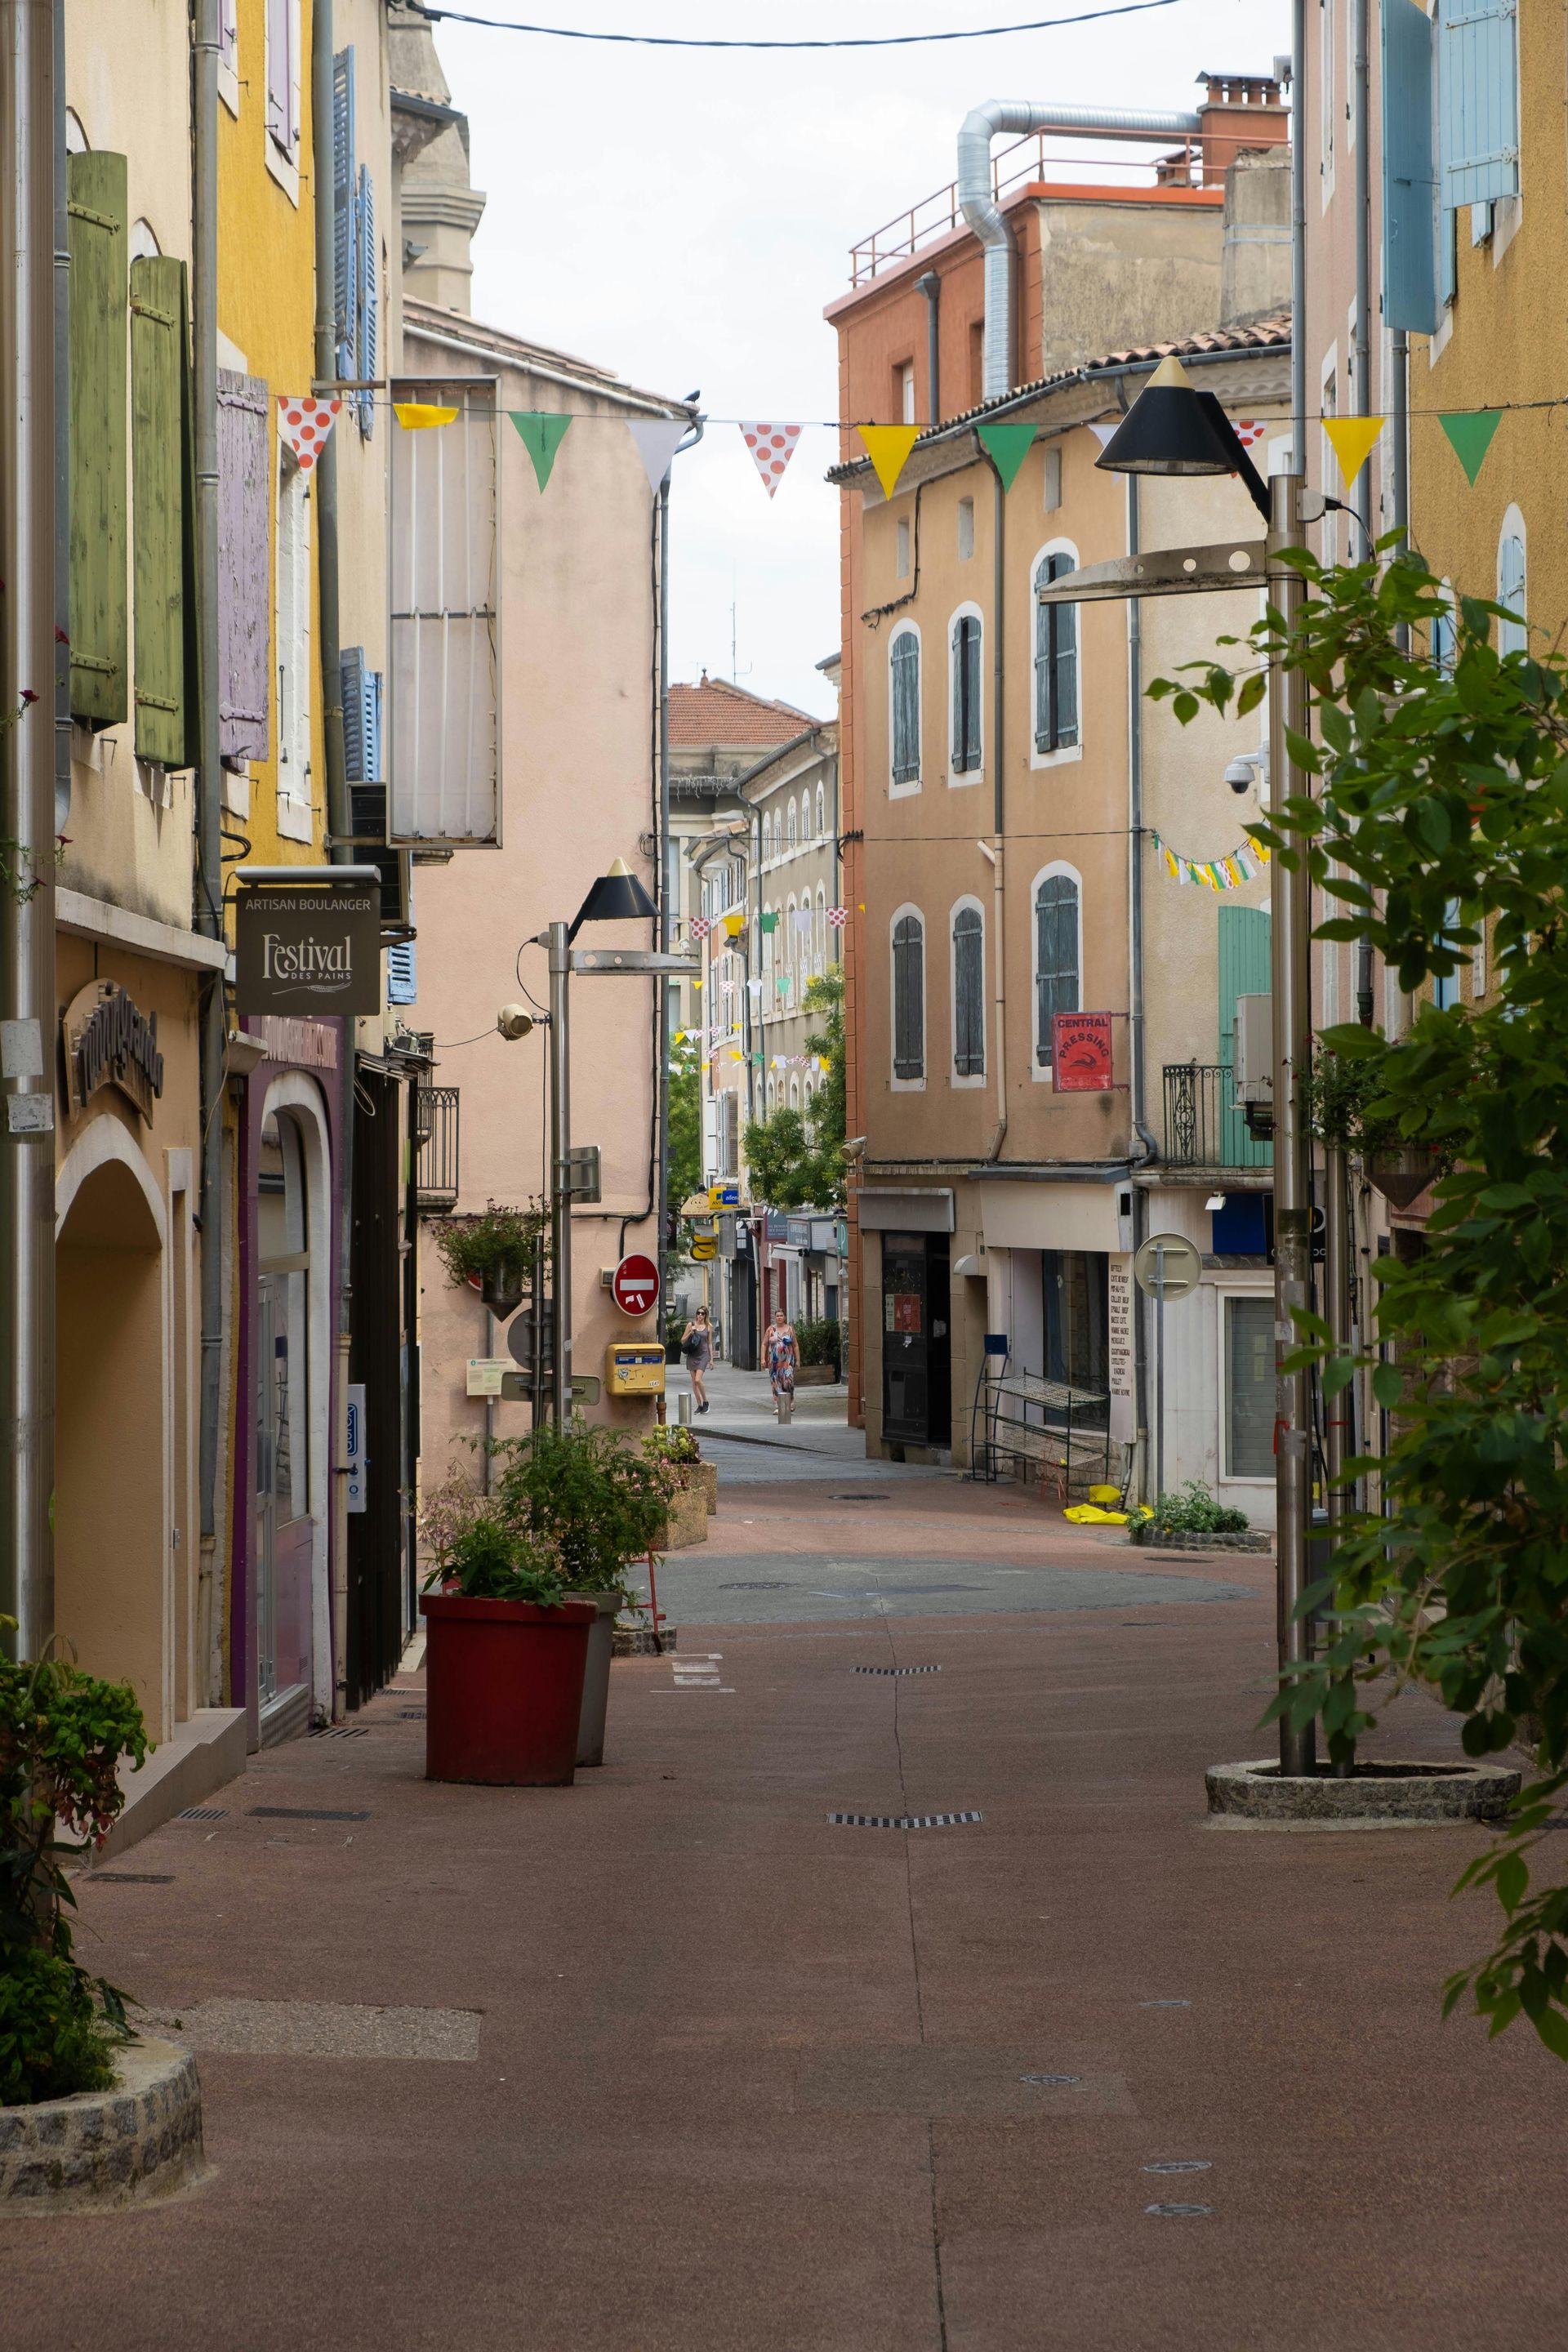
1204 1127
898 1670
411 1714
302 1813
901 1821
435 1133
133 1878
205 1814
341 1731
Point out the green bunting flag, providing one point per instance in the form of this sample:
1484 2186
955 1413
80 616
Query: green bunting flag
1469 433
543 434
1008 446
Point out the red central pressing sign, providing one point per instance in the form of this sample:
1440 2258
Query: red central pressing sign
635 1285
1080 1047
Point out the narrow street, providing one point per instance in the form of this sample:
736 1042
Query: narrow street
676 2058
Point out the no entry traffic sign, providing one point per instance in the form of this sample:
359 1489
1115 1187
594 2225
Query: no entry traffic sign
635 1288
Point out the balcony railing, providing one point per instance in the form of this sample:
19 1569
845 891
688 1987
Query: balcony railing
1204 1124
436 1141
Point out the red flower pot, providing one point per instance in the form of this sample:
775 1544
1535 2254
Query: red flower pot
504 1689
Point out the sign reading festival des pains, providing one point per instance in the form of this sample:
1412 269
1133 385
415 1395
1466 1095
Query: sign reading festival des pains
307 950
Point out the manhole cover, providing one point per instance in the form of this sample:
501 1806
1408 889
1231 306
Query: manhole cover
1051 2082
205 1814
898 1670
901 1821
302 1813
1177 2212
1181 2164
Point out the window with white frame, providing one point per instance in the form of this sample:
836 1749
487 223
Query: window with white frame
293 608
228 54
968 991
1055 659
1248 1384
966 732
821 812
1057 957
907 392
1513 635
909 998
806 816
904 697
283 76
791 825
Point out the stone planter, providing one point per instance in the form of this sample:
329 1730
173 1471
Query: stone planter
705 1475
687 1521
596 1677
1254 1540
815 1376
141 2139
1376 1796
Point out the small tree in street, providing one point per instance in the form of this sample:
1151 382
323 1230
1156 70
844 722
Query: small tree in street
1439 827
796 1163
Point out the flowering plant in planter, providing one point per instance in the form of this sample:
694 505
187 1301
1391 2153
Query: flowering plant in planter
672 1443
498 1250
62 1733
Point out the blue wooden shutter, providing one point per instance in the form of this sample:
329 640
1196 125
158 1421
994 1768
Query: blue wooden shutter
972 695
353 691
1245 970
1478 101
909 998
1411 214
375 698
345 214
1056 958
402 975
368 299
968 994
907 708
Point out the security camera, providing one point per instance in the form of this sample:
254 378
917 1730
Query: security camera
514 1021
1240 775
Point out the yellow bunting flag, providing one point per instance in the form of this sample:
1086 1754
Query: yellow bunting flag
416 415
888 446
733 924
1352 438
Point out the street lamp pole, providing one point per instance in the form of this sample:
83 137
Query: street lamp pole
1291 901
557 939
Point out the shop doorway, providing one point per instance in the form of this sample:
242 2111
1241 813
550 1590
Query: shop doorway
917 1356
292 1413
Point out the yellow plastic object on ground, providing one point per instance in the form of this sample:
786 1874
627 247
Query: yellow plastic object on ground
1089 1515
1104 1495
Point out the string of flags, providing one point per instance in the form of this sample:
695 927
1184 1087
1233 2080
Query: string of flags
1244 864
701 927
1469 432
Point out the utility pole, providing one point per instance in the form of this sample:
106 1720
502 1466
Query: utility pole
30 662
558 941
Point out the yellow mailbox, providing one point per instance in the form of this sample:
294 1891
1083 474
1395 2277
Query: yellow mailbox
634 1367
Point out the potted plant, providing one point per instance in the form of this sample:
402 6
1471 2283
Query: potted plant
674 1443
1347 1106
600 1506
496 1251
820 1347
506 1653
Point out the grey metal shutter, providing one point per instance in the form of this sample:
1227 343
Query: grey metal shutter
907 708
967 642
243 598
969 994
1056 958
1056 665
909 997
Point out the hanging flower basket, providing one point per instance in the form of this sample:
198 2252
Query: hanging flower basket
497 1251
1403 1176
503 1286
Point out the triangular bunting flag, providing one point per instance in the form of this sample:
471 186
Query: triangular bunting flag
1352 438
888 446
658 439
1102 432
418 416
772 447
1250 430
305 423
543 434
1008 446
1470 437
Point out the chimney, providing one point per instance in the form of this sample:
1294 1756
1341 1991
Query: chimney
1237 111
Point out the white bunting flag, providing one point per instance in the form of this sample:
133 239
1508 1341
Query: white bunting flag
772 447
1102 432
658 439
305 423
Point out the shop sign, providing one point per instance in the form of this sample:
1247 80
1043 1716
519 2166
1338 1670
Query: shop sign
1080 1052
307 950
1119 1345
109 1042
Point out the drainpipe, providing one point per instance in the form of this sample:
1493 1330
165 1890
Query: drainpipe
1139 1073
998 800
1298 238
978 203
931 287
214 1206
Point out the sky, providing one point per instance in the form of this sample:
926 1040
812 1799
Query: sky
684 216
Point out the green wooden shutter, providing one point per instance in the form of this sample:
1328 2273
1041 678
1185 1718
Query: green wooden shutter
1245 970
99 618
157 470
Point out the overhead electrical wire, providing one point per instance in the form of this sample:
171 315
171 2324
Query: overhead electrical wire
854 41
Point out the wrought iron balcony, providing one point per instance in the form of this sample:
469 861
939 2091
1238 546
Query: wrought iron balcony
435 1112
1205 1127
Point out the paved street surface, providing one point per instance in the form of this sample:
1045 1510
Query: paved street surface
675 2058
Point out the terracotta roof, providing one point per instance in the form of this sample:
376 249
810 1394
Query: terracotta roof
1265 335
714 711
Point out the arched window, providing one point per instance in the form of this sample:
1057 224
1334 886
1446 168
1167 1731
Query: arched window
909 998
968 992
1444 640
904 689
142 243
966 694
1513 635
77 140
1056 660
795 1094
792 831
821 812
791 939
1057 957
766 836
806 816
820 934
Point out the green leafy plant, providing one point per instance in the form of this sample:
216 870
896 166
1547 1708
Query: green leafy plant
597 1502
820 1340
1346 1105
796 1163
1437 824
1192 1510
62 1735
473 1248
671 1441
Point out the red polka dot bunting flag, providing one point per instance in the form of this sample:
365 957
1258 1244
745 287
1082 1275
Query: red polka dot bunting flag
1250 430
700 927
305 423
838 916
772 447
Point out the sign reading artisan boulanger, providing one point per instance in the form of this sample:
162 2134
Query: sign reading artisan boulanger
307 950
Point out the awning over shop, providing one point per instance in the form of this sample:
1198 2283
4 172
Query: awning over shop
907 1209
1050 1216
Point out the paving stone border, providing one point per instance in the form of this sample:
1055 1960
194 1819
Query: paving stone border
1183 1539
638 1642
141 2140
1393 1795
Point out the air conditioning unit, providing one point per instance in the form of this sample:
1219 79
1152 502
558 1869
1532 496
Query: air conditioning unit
1253 1049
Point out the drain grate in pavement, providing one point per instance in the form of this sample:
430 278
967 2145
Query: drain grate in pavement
1177 2212
411 1714
1051 2082
133 1878
898 1670
901 1821
341 1731
859 1498
1165 2004
772 1584
1181 2164
205 1814
303 1813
